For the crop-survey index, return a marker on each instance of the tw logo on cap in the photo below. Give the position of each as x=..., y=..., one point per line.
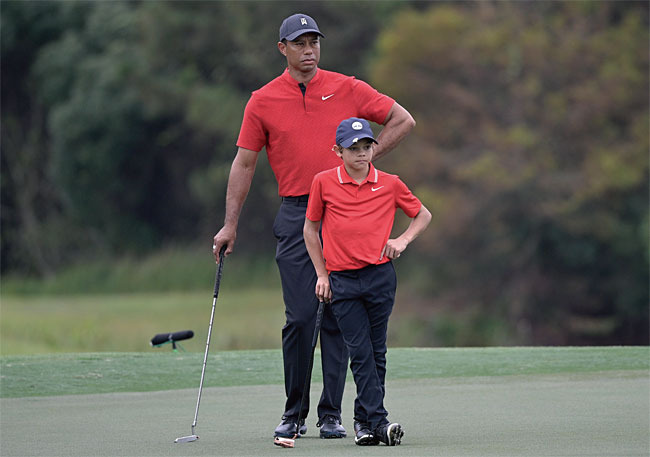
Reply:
x=296, y=25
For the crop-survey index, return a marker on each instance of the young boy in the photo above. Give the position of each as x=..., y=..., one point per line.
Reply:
x=355, y=204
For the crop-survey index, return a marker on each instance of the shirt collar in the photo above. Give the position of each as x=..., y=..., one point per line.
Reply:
x=344, y=177
x=288, y=78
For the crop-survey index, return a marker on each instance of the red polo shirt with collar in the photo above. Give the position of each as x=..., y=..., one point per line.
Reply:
x=298, y=130
x=357, y=218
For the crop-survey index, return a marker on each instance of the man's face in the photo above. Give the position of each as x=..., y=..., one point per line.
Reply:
x=303, y=53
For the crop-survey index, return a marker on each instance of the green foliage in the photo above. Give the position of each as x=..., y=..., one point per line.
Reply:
x=535, y=138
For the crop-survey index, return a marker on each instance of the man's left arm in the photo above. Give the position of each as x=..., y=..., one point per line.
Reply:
x=397, y=125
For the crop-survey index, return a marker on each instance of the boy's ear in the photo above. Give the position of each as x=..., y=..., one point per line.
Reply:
x=338, y=150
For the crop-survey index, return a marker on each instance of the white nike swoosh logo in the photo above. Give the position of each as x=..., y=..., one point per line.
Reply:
x=373, y=189
x=326, y=97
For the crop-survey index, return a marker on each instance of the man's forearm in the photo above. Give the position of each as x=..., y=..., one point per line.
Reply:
x=398, y=124
x=239, y=184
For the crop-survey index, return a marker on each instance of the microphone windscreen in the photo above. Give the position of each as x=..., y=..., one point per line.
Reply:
x=176, y=336
x=182, y=335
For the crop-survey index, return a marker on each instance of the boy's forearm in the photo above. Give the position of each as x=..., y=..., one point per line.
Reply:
x=394, y=247
x=314, y=248
x=418, y=224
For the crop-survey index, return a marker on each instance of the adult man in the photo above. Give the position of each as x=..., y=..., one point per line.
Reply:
x=295, y=117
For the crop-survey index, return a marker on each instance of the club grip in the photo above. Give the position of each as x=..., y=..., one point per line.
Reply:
x=319, y=319
x=217, y=278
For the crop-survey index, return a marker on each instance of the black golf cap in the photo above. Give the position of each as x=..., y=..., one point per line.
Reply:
x=296, y=25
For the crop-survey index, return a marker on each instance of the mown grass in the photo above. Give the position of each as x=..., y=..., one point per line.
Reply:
x=66, y=374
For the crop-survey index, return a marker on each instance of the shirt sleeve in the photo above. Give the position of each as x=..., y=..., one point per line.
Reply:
x=373, y=105
x=315, y=205
x=405, y=199
x=252, y=134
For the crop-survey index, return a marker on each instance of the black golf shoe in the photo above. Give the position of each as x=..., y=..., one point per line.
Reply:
x=362, y=435
x=287, y=428
x=330, y=427
x=390, y=434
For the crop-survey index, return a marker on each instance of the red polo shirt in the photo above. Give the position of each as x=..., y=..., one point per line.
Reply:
x=357, y=218
x=298, y=131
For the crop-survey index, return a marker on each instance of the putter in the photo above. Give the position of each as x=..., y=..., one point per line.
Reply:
x=217, y=280
x=291, y=442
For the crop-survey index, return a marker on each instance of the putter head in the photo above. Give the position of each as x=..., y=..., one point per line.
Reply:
x=186, y=439
x=284, y=442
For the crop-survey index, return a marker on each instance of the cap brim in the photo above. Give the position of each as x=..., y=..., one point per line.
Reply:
x=296, y=34
x=350, y=141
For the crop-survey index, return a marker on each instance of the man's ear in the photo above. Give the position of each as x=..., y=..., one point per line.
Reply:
x=282, y=47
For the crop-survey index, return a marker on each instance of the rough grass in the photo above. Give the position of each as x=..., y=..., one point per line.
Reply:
x=244, y=319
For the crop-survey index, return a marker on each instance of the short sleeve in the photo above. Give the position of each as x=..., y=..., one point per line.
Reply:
x=252, y=134
x=315, y=205
x=405, y=199
x=372, y=104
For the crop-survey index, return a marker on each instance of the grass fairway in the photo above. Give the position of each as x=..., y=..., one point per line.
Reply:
x=452, y=402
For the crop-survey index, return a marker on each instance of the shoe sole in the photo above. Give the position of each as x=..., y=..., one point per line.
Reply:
x=281, y=435
x=329, y=436
x=365, y=440
x=395, y=434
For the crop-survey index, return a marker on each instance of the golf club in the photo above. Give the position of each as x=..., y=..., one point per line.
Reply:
x=291, y=442
x=217, y=280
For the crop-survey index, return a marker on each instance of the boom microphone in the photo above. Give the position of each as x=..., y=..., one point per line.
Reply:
x=163, y=338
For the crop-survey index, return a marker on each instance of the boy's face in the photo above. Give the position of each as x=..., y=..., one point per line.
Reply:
x=358, y=156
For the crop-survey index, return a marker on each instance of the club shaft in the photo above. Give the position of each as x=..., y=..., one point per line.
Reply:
x=207, y=343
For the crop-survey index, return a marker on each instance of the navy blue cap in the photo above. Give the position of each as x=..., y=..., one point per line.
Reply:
x=352, y=130
x=296, y=25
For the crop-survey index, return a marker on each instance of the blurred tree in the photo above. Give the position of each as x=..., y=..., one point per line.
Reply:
x=36, y=234
x=533, y=127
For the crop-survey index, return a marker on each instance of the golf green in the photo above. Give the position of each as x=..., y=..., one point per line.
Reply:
x=598, y=413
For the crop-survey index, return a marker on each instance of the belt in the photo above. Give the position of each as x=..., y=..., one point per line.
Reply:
x=297, y=200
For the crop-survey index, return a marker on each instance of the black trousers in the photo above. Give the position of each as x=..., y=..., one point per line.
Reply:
x=298, y=287
x=362, y=301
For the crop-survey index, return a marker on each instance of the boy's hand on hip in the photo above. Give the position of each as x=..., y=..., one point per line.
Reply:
x=393, y=249
x=323, y=291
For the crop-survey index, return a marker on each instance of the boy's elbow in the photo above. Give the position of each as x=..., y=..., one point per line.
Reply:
x=426, y=215
x=309, y=228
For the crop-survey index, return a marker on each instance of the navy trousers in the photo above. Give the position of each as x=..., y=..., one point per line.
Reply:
x=298, y=287
x=362, y=301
